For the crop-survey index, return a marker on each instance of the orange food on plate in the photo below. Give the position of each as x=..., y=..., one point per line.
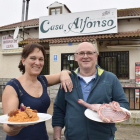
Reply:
x=26, y=115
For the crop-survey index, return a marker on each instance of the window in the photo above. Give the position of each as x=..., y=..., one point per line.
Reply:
x=55, y=11
x=115, y=62
x=52, y=11
x=67, y=62
x=46, y=68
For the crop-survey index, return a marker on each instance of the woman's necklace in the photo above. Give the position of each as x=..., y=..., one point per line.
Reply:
x=36, y=88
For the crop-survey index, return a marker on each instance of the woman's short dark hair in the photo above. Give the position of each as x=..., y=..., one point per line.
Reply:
x=29, y=48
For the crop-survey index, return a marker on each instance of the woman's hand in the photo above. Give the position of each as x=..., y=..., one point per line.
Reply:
x=65, y=80
x=13, y=130
x=15, y=127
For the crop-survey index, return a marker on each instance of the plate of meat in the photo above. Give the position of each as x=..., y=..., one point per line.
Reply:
x=106, y=113
x=93, y=115
x=24, y=116
x=42, y=117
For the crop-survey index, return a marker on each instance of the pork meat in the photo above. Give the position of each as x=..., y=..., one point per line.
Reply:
x=108, y=112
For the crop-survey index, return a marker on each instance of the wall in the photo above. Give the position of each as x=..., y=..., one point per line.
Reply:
x=33, y=33
x=55, y=66
x=9, y=66
x=128, y=25
x=134, y=56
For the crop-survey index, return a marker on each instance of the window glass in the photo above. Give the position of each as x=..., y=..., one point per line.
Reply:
x=57, y=11
x=52, y=11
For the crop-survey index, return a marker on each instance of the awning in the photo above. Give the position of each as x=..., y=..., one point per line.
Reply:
x=15, y=51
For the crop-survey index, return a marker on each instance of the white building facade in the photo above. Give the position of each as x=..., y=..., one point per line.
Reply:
x=118, y=48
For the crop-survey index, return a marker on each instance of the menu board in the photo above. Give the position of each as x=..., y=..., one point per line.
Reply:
x=137, y=95
x=137, y=74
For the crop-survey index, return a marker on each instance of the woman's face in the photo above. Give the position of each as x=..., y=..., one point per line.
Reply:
x=34, y=62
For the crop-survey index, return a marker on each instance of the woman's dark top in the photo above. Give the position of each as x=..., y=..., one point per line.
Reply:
x=41, y=104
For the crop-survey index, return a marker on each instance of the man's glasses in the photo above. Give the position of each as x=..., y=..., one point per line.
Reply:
x=87, y=53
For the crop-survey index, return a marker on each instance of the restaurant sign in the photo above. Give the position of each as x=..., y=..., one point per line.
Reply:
x=78, y=24
x=9, y=43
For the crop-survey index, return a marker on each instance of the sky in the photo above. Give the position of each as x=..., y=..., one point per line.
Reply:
x=11, y=10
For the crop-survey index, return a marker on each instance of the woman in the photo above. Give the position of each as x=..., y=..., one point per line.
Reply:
x=31, y=90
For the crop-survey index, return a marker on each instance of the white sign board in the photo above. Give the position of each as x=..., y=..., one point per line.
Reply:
x=9, y=43
x=77, y=24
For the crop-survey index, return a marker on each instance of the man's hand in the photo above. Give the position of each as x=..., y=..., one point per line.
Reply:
x=57, y=133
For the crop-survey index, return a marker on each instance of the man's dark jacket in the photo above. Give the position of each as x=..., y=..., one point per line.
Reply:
x=68, y=113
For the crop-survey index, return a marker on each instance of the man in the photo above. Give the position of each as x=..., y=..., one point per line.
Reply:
x=95, y=86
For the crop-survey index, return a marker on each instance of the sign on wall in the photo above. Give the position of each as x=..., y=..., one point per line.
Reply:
x=55, y=57
x=9, y=43
x=137, y=74
x=137, y=81
x=78, y=24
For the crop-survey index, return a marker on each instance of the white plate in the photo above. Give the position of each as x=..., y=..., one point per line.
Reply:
x=42, y=117
x=93, y=115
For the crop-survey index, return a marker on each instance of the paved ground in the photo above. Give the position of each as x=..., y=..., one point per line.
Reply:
x=2, y=134
x=125, y=132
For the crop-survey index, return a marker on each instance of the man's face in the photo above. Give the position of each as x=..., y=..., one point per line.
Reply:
x=88, y=60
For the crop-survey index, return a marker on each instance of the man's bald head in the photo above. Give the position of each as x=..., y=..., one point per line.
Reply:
x=84, y=44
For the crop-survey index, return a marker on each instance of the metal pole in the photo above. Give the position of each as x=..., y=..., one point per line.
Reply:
x=27, y=7
x=23, y=10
